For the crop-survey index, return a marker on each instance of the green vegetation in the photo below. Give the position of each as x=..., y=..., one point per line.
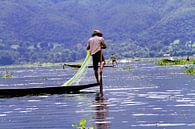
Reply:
x=82, y=125
x=127, y=68
x=174, y=62
x=32, y=65
x=7, y=74
x=74, y=68
x=190, y=70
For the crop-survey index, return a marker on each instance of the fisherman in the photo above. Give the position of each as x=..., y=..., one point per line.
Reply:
x=113, y=60
x=95, y=44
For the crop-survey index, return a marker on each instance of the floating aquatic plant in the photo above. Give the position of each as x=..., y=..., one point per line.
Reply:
x=190, y=70
x=174, y=62
x=7, y=74
x=82, y=125
x=127, y=68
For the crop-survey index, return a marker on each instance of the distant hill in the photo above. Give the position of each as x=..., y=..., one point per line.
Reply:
x=177, y=22
x=57, y=30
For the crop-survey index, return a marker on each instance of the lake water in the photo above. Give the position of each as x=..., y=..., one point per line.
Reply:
x=136, y=96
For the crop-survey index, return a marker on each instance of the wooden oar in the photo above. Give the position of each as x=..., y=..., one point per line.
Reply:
x=101, y=73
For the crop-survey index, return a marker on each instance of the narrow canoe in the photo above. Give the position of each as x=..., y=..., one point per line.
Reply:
x=15, y=92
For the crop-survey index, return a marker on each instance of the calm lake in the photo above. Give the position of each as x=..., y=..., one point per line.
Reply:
x=136, y=96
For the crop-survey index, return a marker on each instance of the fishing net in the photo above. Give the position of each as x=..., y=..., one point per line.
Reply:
x=80, y=72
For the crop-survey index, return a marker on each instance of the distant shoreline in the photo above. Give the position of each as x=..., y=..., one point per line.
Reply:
x=125, y=60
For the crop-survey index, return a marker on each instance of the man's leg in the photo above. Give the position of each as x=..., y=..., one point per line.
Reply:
x=102, y=63
x=95, y=67
x=102, y=67
x=113, y=63
x=96, y=75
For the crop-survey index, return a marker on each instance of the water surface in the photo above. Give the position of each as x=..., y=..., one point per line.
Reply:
x=146, y=96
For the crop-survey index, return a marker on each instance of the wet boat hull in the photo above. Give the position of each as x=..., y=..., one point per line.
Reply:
x=14, y=92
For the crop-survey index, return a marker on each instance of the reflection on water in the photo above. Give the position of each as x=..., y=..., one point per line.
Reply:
x=101, y=113
x=145, y=97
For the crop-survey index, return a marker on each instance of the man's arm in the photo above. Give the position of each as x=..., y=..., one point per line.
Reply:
x=103, y=44
x=88, y=46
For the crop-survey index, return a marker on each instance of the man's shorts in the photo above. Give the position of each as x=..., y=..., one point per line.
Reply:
x=96, y=59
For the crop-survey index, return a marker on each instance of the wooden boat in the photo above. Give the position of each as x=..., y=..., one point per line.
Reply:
x=78, y=65
x=15, y=92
